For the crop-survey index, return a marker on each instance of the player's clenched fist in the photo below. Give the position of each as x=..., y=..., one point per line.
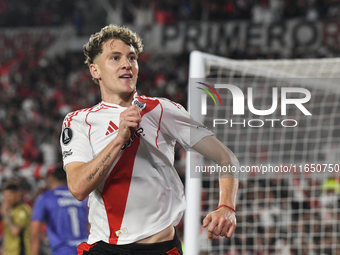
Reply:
x=129, y=120
x=222, y=223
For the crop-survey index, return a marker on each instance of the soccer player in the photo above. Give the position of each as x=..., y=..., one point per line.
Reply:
x=120, y=154
x=16, y=217
x=65, y=216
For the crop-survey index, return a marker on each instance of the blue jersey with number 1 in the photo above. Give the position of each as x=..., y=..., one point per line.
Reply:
x=65, y=217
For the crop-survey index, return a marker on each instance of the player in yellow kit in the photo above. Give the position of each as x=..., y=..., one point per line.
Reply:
x=16, y=217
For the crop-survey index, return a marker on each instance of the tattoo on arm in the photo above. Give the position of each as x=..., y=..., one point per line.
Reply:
x=103, y=166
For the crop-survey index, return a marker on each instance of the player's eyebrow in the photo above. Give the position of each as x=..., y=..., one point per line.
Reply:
x=115, y=53
x=120, y=53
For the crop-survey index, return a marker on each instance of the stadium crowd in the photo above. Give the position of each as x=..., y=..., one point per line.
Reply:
x=79, y=13
x=37, y=92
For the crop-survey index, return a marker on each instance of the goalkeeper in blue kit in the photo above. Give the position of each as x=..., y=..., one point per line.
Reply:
x=65, y=216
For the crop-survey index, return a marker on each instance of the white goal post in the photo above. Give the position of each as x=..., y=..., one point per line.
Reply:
x=274, y=210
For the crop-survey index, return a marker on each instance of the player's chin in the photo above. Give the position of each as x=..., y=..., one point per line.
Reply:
x=129, y=86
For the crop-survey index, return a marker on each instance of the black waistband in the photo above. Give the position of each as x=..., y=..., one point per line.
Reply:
x=142, y=247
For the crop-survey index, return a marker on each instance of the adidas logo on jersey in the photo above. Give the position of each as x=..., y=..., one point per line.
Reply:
x=111, y=128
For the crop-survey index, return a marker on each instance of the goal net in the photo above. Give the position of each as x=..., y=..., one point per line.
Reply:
x=281, y=118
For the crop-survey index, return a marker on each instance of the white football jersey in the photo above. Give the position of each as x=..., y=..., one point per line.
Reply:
x=142, y=194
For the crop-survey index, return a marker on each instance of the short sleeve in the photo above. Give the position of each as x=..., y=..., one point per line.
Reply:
x=178, y=124
x=21, y=217
x=74, y=139
x=39, y=210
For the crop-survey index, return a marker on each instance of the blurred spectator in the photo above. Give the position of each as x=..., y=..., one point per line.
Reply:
x=16, y=216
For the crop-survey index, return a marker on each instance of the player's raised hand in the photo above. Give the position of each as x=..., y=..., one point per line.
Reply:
x=129, y=120
x=221, y=222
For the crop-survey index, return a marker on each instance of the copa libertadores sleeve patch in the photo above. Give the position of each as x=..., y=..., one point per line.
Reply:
x=67, y=135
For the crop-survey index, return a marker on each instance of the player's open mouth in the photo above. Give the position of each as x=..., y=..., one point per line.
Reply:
x=126, y=76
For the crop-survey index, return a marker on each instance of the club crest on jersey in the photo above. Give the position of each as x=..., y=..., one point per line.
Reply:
x=67, y=135
x=138, y=133
x=139, y=104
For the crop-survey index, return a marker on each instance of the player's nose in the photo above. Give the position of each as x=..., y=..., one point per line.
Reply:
x=125, y=63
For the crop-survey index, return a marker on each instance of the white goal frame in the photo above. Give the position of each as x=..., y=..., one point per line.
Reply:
x=193, y=185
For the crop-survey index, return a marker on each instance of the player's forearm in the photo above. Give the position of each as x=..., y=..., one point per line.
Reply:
x=35, y=245
x=228, y=191
x=83, y=178
x=213, y=149
x=35, y=237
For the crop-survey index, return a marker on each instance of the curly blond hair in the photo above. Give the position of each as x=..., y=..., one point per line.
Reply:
x=94, y=47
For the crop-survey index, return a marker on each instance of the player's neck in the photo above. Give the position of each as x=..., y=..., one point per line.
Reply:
x=122, y=100
x=55, y=185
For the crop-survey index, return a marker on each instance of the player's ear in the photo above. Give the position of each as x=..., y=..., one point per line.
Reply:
x=95, y=72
